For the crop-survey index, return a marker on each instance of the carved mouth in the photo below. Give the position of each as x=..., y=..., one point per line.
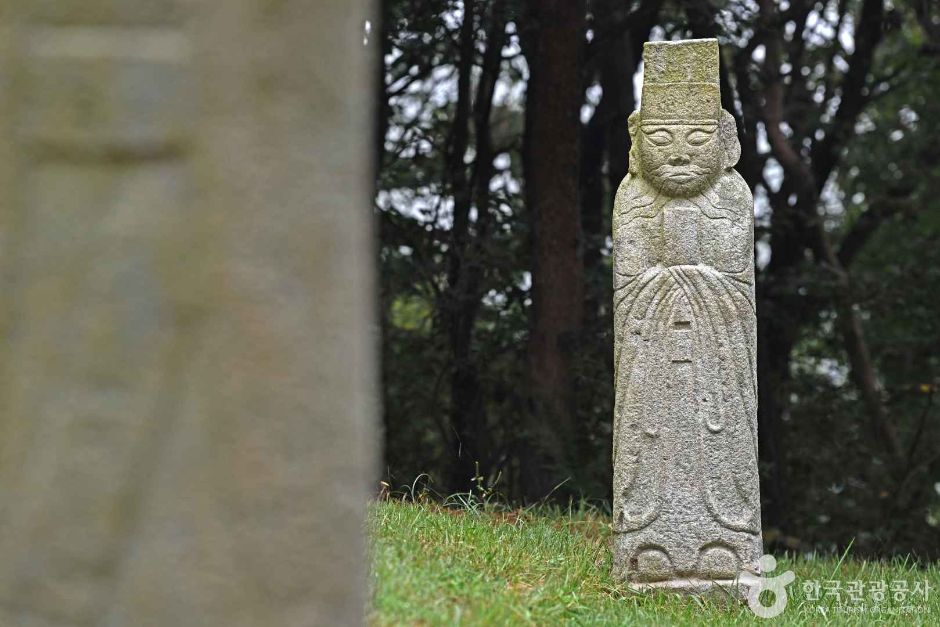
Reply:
x=681, y=174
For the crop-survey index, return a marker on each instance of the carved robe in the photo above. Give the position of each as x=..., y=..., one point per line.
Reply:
x=685, y=451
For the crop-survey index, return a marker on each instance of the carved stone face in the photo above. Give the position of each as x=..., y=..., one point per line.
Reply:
x=680, y=159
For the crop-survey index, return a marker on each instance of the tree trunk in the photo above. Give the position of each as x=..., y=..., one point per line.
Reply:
x=553, y=106
x=465, y=408
x=471, y=445
x=774, y=346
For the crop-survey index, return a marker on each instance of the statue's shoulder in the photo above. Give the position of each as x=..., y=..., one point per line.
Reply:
x=634, y=199
x=731, y=186
x=729, y=197
x=633, y=186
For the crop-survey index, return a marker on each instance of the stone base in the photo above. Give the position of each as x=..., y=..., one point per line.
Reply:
x=731, y=590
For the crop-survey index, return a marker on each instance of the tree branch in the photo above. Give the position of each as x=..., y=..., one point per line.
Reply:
x=853, y=97
x=867, y=224
x=860, y=361
x=786, y=155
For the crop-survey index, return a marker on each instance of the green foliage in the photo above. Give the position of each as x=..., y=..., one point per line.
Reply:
x=416, y=217
x=891, y=165
x=881, y=193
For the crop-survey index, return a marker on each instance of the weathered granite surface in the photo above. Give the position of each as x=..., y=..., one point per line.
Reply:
x=686, y=501
x=187, y=410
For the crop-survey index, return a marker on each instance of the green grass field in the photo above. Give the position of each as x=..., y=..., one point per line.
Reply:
x=478, y=565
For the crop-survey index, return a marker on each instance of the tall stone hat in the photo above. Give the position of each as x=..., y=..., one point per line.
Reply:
x=680, y=81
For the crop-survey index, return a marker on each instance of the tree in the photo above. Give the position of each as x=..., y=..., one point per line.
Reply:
x=553, y=51
x=489, y=176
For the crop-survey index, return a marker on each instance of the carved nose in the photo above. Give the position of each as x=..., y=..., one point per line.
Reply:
x=678, y=159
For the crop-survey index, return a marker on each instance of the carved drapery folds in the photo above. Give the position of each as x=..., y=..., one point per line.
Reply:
x=686, y=500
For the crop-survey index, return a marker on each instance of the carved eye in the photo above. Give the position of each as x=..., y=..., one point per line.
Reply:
x=659, y=138
x=697, y=138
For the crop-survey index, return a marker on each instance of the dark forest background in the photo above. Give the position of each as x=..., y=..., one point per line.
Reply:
x=502, y=139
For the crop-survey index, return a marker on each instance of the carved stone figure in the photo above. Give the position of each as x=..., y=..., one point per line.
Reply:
x=188, y=401
x=686, y=497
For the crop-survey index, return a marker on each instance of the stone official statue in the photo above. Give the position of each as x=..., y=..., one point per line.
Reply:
x=686, y=501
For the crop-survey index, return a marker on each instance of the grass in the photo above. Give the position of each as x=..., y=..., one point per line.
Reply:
x=482, y=565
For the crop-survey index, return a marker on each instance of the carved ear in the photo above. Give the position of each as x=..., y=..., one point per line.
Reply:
x=633, y=124
x=730, y=146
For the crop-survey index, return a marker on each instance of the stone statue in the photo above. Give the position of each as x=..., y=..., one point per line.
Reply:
x=189, y=396
x=686, y=497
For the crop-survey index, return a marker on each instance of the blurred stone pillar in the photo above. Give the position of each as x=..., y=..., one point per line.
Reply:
x=187, y=378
